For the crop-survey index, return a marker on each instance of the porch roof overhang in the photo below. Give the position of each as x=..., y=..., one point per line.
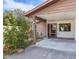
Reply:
x=59, y=16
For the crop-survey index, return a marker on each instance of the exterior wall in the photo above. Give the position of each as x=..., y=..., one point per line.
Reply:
x=60, y=6
x=41, y=28
x=70, y=34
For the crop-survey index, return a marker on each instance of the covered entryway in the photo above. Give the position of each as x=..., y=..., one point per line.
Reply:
x=60, y=24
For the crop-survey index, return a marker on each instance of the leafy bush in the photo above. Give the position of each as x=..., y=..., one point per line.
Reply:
x=16, y=31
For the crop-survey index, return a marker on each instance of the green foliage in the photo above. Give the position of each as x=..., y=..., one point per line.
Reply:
x=9, y=19
x=16, y=27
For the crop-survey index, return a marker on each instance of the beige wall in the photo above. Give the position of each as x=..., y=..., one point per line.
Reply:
x=70, y=34
x=41, y=28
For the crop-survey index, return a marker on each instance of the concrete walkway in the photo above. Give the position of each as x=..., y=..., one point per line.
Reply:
x=41, y=50
x=58, y=44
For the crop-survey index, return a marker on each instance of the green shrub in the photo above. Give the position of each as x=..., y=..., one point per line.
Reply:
x=16, y=32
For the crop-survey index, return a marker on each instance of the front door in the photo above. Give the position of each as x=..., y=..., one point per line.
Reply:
x=52, y=30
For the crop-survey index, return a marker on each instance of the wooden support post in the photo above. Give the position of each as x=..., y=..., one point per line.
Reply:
x=34, y=31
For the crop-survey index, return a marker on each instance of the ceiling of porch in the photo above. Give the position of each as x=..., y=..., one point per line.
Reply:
x=69, y=15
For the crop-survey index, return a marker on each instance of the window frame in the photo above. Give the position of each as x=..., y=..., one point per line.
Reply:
x=66, y=29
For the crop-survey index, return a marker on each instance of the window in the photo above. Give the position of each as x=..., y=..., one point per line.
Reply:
x=65, y=27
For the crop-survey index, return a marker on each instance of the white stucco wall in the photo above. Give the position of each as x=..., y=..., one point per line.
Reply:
x=70, y=34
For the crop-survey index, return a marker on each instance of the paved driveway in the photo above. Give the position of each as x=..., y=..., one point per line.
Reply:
x=40, y=51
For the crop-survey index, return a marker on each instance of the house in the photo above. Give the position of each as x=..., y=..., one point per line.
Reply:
x=55, y=18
